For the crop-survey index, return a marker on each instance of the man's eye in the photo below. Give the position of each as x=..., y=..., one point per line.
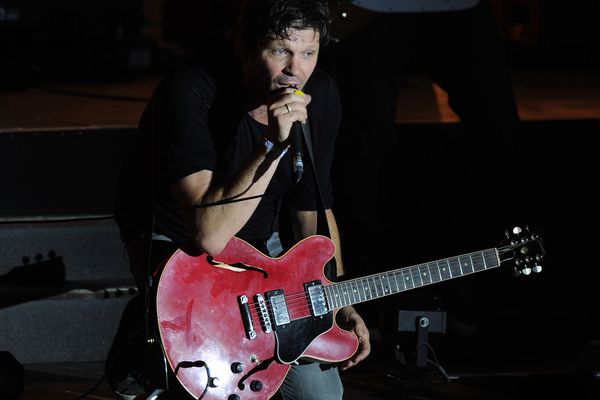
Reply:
x=279, y=52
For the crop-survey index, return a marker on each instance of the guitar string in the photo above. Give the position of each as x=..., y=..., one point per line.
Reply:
x=348, y=287
x=298, y=302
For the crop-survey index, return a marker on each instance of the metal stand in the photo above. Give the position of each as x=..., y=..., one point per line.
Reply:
x=415, y=347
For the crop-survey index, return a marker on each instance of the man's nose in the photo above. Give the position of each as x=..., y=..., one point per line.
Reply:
x=292, y=67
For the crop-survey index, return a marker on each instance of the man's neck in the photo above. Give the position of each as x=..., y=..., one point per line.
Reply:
x=260, y=114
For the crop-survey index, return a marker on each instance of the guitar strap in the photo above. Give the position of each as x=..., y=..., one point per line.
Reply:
x=322, y=225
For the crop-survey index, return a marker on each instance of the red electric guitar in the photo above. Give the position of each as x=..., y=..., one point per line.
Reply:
x=232, y=324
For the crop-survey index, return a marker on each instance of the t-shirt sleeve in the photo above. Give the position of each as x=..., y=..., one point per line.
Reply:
x=184, y=141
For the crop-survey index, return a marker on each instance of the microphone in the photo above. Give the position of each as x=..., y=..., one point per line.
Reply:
x=298, y=149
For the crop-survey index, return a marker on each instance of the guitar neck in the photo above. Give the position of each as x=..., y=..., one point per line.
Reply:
x=375, y=286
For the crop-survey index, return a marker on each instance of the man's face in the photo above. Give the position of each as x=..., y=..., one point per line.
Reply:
x=285, y=63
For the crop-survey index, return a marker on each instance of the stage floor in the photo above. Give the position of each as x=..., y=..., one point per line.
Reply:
x=376, y=379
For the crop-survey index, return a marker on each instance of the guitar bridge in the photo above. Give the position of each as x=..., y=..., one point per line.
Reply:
x=316, y=294
x=246, y=317
x=261, y=306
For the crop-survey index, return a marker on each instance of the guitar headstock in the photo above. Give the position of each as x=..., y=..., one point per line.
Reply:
x=524, y=251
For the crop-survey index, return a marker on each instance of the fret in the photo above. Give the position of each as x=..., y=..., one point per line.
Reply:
x=393, y=283
x=385, y=284
x=333, y=296
x=400, y=279
x=381, y=285
x=346, y=294
x=395, y=274
x=327, y=290
x=372, y=288
x=425, y=276
x=403, y=279
x=478, y=262
x=334, y=302
x=388, y=276
x=491, y=257
x=469, y=268
x=360, y=290
x=357, y=292
x=367, y=289
x=416, y=275
x=444, y=270
x=484, y=263
x=376, y=287
x=350, y=291
x=434, y=272
x=407, y=278
x=460, y=265
x=339, y=295
x=454, y=267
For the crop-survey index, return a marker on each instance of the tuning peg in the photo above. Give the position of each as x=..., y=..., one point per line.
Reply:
x=517, y=230
x=526, y=271
x=537, y=268
x=518, y=261
x=516, y=273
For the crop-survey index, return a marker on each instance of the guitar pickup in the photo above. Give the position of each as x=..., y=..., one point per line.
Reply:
x=279, y=310
x=316, y=295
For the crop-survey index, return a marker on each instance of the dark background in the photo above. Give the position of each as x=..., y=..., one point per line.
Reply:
x=551, y=181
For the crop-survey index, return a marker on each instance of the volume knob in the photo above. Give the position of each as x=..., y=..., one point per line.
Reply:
x=237, y=368
x=256, y=386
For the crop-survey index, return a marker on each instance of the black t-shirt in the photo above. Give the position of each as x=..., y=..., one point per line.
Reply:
x=196, y=122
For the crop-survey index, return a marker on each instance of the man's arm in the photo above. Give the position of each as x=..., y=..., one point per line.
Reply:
x=215, y=213
x=212, y=226
x=305, y=224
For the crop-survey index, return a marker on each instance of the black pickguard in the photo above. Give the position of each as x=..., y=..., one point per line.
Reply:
x=295, y=337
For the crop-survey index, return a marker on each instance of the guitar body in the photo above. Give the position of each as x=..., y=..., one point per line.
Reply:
x=232, y=324
x=201, y=319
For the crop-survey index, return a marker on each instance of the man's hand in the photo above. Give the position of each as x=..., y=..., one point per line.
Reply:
x=284, y=108
x=349, y=319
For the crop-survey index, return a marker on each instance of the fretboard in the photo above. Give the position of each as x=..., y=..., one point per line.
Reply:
x=372, y=287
